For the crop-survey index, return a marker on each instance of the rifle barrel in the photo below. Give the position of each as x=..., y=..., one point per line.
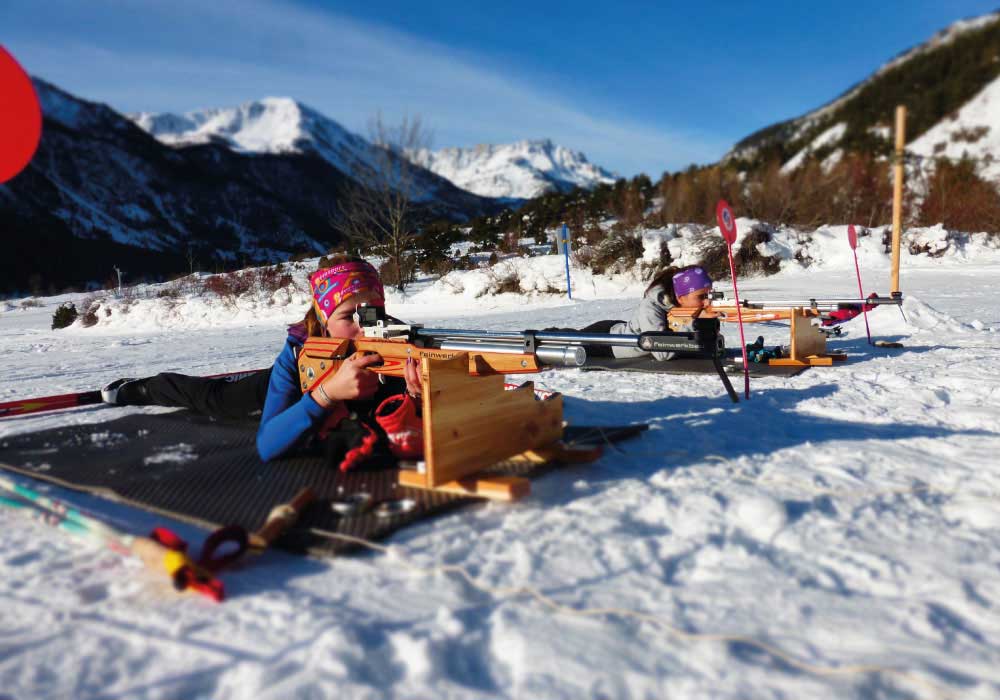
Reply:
x=809, y=303
x=562, y=355
x=567, y=347
x=570, y=337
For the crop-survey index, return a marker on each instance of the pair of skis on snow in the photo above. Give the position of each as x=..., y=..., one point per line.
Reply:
x=162, y=552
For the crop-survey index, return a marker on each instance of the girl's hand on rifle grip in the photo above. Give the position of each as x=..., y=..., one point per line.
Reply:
x=352, y=381
x=411, y=373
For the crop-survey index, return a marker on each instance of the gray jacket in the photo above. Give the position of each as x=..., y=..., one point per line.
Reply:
x=650, y=315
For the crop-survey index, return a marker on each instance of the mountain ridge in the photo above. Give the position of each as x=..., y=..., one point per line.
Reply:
x=935, y=79
x=100, y=190
x=521, y=170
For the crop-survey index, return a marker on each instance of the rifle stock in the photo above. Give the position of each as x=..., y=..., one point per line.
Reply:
x=321, y=357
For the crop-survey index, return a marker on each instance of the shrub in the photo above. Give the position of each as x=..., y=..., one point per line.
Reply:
x=439, y=267
x=505, y=279
x=89, y=317
x=171, y=292
x=270, y=279
x=510, y=282
x=397, y=276
x=958, y=198
x=616, y=253
x=715, y=260
x=751, y=262
x=228, y=286
x=65, y=315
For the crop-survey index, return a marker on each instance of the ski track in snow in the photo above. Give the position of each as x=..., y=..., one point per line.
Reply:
x=846, y=516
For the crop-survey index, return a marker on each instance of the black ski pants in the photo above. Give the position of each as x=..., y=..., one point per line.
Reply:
x=221, y=397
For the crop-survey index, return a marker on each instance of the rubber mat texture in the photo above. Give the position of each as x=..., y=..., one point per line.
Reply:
x=207, y=472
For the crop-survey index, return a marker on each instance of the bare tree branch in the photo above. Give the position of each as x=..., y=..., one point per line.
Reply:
x=376, y=211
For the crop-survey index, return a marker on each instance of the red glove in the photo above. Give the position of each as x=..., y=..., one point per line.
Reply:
x=397, y=416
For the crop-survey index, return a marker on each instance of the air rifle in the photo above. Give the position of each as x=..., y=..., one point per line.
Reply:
x=782, y=309
x=490, y=352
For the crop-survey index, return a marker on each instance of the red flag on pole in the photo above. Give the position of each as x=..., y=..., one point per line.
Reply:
x=852, y=238
x=727, y=224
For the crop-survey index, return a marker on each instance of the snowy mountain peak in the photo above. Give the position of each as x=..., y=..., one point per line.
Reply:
x=270, y=125
x=521, y=170
x=274, y=125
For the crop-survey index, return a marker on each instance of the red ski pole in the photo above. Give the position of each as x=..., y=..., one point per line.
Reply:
x=852, y=238
x=727, y=224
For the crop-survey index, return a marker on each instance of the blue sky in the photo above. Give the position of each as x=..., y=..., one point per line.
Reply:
x=637, y=86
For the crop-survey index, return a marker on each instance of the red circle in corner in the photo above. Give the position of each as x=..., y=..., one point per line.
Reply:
x=20, y=117
x=852, y=236
x=727, y=224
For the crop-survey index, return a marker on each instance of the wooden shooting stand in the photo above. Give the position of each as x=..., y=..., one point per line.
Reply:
x=807, y=347
x=472, y=422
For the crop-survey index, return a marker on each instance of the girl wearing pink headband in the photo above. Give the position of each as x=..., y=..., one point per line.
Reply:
x=331, y=286
x=352, y=416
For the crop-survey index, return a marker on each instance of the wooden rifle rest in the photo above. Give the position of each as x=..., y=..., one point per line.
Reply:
x=472, y=422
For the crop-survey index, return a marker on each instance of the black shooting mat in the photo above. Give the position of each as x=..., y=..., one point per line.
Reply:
x=686, y=365
x=207, y=472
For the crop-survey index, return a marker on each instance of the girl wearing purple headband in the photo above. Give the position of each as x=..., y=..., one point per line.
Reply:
x=687, y=287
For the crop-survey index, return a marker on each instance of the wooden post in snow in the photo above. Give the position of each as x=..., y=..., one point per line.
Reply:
x=897, y=194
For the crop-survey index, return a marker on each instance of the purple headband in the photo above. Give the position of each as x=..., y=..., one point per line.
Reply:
x=687, y=281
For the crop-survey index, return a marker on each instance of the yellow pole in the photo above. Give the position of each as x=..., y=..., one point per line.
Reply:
x=897, y=195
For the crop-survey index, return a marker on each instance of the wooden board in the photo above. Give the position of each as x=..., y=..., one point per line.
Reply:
x=506, y=488
x=472, y=422
x=806, y=340
x=809, y=361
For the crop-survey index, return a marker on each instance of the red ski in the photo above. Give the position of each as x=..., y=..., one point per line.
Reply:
x=49, y=403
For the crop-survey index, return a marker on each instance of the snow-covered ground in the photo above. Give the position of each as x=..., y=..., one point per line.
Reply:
x=838, y=536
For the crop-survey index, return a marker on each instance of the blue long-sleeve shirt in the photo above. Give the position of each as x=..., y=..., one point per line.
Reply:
x=289, y=416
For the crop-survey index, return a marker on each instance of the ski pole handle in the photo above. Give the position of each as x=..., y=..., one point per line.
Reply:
x=280, y=519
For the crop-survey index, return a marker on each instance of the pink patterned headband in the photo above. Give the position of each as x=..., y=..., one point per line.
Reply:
x=331, y=286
